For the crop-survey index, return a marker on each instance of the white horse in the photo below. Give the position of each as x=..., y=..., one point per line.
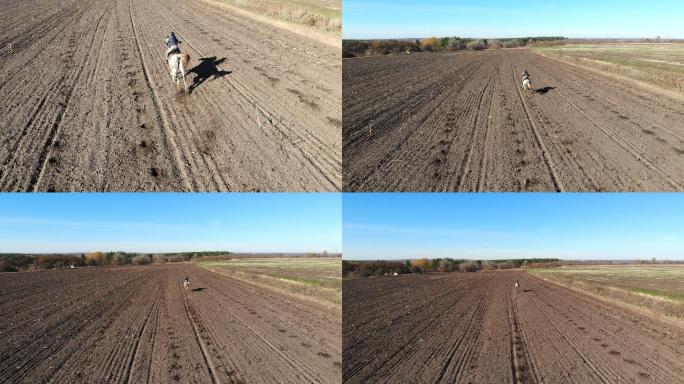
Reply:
x=178, y=62
x=517, y=284
x=186, y=283
x=527, y=84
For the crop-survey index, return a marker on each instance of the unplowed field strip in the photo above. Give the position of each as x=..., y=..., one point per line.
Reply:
x=139, y=325
x=410, y=121
x=88, y=103
x=478, y=328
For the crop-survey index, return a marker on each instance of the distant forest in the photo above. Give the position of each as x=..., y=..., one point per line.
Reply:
x=383, y=267
x=15, y=262
x=389, y=267
x=359, y=48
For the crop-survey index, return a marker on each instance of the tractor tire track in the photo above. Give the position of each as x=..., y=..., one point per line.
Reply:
x=474, y=143
x=194, y=319
x=169, y=135
x=154, y=308
x=540, y=142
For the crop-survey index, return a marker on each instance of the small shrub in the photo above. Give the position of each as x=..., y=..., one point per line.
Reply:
x=141, y=260
x=5, y=266
x=468, y=267
x=494, y=44
x=476, y=45
x=94, y=258
x=511, y=44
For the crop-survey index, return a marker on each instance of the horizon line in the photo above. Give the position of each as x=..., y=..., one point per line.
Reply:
x=519, y=258
x=170, y=252
x=513, y=37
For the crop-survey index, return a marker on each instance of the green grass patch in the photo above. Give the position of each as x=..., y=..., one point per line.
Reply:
x=657, y=289
x=656, y=293
x=657, y=64
x=319, y=279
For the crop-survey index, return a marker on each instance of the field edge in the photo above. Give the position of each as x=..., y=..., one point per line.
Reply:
x=232, y=274
x=330, y=39
x=644, y=311
x=616, y=77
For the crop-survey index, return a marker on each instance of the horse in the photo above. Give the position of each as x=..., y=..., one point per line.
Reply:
x=178, y=62
x=186, y=283
x=517, y=284
x=526, y=83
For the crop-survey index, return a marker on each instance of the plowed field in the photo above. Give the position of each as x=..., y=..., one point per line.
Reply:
x=88, y=103
x=462, y=122
x=138, y=325
x=477, y=328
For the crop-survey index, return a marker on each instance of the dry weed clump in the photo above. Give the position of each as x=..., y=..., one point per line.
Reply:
x=319, y=18
x=657, y=305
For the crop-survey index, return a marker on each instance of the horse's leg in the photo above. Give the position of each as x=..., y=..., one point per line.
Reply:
x=182, y=73
x=173, y=66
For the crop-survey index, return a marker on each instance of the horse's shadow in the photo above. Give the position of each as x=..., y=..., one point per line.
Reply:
x=543, y=91
x=198, y=289
x=207, y=68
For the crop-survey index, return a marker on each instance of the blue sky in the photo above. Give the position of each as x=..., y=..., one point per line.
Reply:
x=373, y=19
x=499, y=226
x=151, y=222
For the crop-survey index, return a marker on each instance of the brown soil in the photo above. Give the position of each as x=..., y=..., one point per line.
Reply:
x=461, y=122
x=138, y=325
x=88, y=104
x=477, y=328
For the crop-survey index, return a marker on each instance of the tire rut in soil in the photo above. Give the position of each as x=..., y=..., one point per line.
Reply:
x=200, y=330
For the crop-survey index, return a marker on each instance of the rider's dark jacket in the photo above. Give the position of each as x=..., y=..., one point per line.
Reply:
x=172, y=40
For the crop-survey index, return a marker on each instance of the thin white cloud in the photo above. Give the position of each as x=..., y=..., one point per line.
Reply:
x=124, y=225
x=417, y=7
x=460, y=233
x=154, y=247
x=499, y=254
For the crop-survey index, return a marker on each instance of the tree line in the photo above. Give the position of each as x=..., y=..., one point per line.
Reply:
x=14, y=262
x=359, y=48
x=382, y=267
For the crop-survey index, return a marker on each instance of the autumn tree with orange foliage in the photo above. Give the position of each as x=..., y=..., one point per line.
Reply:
x=420, y=265
x=430, y=43
x=94, y=258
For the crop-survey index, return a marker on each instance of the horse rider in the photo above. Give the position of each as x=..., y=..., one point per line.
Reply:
x=172, y=44
x=526, y=76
